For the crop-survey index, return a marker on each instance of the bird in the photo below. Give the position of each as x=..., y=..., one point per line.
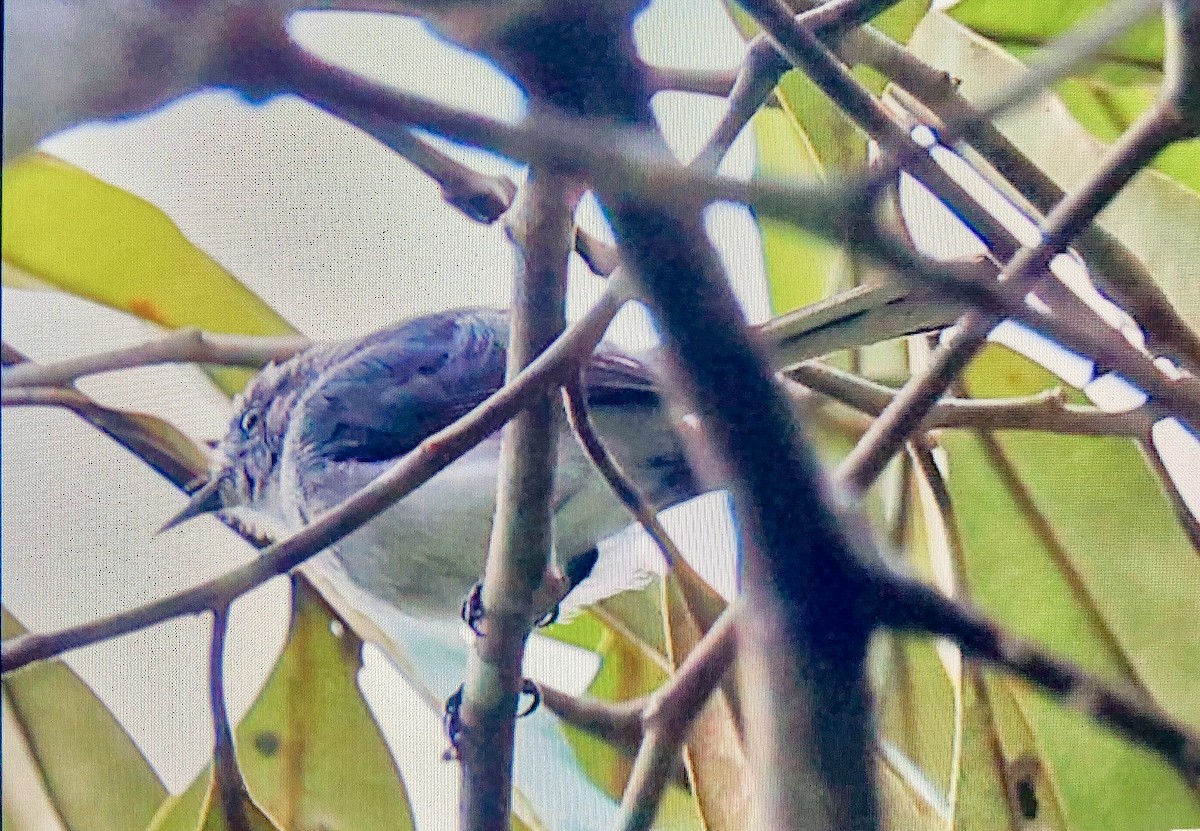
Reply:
x=312, y=430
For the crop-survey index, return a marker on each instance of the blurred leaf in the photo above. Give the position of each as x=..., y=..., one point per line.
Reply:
x=801, y=267
x=1085, y=556
x=1025, y=23
x=899, y=21
x=626, y=672
x=1148, y=213
x=155, y=441
x=713, y=754
x=94, y=775
x=1107, y=110
x=309, y=748
x=70, y=230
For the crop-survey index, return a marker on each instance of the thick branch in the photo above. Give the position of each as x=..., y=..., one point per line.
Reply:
x=519, y=556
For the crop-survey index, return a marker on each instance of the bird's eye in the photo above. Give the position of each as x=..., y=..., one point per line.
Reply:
x=249, y=420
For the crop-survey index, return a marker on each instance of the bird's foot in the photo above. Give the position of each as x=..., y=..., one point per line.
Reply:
x=530, y=689
x=472, y=609
x=473, y=612
x=452, y=715
x=452, y=724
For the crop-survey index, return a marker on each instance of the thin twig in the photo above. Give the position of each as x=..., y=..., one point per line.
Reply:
x=704, y=81
x=618, y=481
x=1047, y=411
x=1056, y=59
x=155, y=441
x=618, y=723
x=838, y=16
x=1187, y=520
x=227, y=775
x=1118, y=272
x=182, y=346
x=1057, y=553
x=1022, y=274
x=431, y=456
x=620, y=159
x=908, y=606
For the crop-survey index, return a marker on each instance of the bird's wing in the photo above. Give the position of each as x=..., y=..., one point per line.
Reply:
x=394, y=388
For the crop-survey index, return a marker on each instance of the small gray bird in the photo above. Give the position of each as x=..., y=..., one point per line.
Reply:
x=309, y=432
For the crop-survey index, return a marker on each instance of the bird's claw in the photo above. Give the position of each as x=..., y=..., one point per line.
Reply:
x=530, y=689
x=452, y=724
x=452, y=715
x=472, y=609
x=472, y=612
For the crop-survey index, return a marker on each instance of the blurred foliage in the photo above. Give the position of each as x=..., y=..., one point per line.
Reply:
x=93, y=774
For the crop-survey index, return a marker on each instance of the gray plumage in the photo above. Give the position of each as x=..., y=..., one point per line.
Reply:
x=309, y=432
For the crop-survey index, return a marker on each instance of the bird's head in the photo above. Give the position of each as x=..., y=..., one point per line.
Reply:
x=245, y=462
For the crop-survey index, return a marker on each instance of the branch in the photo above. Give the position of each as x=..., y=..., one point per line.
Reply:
x=227, y=776
x=152, y=439
x=521, y=549
x=1022, y=274
x=1119, y=273
x=804, y=607
x=905, y=605
x=417, y=467
x=618, y=723
x=1047, y=411
x=481, y=197
x=618, y=159
x=619, y=483
x=703, y=81
x=182, y=346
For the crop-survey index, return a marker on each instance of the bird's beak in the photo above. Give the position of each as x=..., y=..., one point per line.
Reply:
x=204, y=501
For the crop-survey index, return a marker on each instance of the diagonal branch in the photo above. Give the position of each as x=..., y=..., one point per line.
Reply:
x=1024, y=271
x=908, y=606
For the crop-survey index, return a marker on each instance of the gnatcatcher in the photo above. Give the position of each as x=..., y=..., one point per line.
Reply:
x=310, y=432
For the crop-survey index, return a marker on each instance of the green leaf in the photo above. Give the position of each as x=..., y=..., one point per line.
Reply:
x=1025, y=23
x=899, y=21
x=94, y=775
x=309, y=749
x=1071, y=542
x=1107, y=110
x=248, y=816
x=801, y=267
x=1146, y=215
x=67, y=229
